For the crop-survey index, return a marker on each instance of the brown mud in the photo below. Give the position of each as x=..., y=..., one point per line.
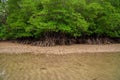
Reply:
x=9, y=47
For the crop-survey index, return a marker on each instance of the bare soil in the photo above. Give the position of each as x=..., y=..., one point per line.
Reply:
x=60, y=67
x=9, y=47
x=50, y=66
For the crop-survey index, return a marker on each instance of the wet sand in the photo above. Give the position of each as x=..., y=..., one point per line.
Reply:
x=9, y=47
x=60, y=67
x=100, y=62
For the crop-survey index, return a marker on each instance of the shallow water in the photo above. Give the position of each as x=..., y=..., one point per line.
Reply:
x=88, y=66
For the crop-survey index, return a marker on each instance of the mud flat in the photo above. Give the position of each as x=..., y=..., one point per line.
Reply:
x=8, y=47
x=60, y=67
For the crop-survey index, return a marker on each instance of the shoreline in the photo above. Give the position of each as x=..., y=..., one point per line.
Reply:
x=16, y=48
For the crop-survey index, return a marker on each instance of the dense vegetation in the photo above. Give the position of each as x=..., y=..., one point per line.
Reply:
x=36, y=19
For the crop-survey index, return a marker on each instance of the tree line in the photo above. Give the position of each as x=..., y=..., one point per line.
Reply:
x=74, y=18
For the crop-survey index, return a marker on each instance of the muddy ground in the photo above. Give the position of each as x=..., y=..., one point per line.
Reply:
x=16, y=62
x=87, y=66
x=9, y=47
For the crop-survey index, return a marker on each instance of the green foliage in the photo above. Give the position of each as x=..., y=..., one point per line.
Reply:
x=92, y=13
x=19, y=17
x=108, y=22
x=59, y=18
x=33, y=18
x=3, y=15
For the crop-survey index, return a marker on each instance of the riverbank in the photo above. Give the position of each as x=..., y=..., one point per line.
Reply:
x=9, y=47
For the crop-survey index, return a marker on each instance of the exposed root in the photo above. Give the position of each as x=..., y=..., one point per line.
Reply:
x=52, y=39
x=65, y=41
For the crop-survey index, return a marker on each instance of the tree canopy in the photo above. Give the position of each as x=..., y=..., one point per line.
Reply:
x=33, y=18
